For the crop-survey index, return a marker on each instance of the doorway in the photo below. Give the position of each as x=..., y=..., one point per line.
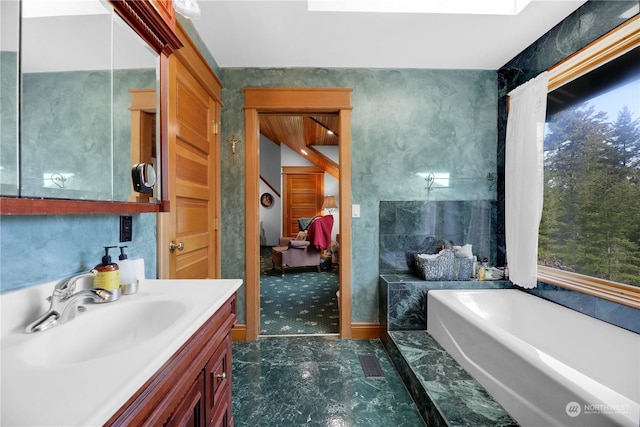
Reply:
x=295, y=101
x=298, y=281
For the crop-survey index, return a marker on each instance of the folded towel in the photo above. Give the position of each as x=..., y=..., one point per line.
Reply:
x=464, y=251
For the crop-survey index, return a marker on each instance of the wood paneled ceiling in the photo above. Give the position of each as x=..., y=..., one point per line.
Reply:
x=301, y=132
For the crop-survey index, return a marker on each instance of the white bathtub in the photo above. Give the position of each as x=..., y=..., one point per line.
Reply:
x=545, y=364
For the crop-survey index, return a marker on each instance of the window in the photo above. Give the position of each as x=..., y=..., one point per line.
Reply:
x=590, y=231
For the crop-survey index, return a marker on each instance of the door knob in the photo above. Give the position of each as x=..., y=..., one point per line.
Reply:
x=173, y=246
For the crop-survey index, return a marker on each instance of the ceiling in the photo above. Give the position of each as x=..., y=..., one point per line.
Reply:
x=267, y=33
x=302, y=132
x=284, y=34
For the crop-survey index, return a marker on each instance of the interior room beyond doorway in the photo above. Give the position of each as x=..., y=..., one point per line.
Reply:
x=299, y=170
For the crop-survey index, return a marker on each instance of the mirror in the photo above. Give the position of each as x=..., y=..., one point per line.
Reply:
x=136, y=82
x=9, y=36
x=80, y=67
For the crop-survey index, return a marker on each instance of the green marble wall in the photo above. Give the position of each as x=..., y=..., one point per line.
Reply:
x=404, y=122
x=591, y=21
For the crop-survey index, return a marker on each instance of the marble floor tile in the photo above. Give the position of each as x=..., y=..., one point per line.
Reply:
x=316, y=381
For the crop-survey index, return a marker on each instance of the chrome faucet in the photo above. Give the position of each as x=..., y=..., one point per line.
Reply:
x=64, y=302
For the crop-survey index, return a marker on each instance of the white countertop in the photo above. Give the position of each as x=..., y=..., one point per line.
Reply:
x=37, y=391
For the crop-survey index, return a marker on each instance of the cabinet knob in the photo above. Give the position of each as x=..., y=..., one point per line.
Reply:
x=173, y=246
x=222, y=376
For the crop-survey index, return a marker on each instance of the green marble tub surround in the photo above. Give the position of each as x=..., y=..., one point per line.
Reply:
x=410, y=227
x=445, y=393
x=403, y=298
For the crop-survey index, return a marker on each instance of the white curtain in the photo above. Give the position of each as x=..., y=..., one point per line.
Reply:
x=524, y=178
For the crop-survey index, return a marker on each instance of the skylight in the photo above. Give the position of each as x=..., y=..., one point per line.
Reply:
x=466, y=7
x=45, y=8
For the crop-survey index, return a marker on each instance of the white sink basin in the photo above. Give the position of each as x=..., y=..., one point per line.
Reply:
x=98, y=360
x=103, y=332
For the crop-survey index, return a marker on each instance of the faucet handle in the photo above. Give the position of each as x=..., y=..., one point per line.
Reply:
x=62, y=290
x=67, y=287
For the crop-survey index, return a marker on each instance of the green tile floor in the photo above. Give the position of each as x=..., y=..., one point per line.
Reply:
x=316, y=381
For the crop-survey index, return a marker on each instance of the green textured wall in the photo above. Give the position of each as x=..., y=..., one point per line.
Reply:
x=404, y=122
x=39, y=248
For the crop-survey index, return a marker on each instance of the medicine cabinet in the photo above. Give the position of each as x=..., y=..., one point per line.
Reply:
x=82, y=97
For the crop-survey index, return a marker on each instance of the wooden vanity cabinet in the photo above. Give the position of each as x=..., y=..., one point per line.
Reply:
x=193, y=388
x=190, y=411
x=218, y=387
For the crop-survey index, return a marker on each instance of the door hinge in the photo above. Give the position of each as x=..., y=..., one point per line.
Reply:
x=215, y=127
x=216, y=224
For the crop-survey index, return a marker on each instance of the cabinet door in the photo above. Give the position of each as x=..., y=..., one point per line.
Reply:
x=218, y=387
x=190, y=411
x=223, y=417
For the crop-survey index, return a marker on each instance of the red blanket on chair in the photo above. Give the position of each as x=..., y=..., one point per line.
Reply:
x=319, y=232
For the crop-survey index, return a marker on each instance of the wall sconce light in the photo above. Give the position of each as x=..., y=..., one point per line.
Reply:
x=440, y=179
x=233, y=141
x=329, y=204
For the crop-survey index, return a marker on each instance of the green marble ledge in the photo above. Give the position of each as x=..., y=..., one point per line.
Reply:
x=446, y=395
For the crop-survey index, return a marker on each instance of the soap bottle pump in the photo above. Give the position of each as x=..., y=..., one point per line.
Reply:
x=128, y=279
x=108, y=276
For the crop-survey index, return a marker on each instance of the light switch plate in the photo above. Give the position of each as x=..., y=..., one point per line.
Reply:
x=355, y=211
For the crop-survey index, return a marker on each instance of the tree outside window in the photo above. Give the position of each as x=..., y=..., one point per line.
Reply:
x=591, y=216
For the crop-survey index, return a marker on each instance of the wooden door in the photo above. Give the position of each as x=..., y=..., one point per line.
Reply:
x=192, y=158
x=303, y=192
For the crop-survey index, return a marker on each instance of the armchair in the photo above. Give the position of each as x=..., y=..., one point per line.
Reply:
x=295, y=253
x=306, y=250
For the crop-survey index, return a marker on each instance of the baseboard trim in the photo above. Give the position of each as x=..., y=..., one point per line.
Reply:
x=365, y=330
x=239, y=333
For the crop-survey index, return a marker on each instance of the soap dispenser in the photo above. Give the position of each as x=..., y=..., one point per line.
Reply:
x=108, y=276
x=128, y=279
